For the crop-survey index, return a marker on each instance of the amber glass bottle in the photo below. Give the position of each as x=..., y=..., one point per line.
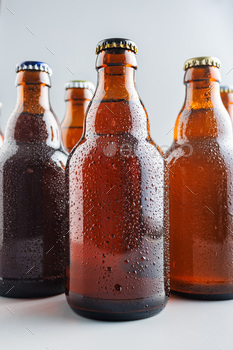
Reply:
x=227, y=99
x=200, y=161
x=1, y=134
x=77, y=96
x=116, y=200
x=32, y=191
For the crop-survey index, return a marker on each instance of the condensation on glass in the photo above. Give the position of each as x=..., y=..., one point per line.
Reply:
x=32, y=191
x=118, y=264
x=200, y=163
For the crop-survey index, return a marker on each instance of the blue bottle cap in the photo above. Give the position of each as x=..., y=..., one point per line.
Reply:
x=34, y=65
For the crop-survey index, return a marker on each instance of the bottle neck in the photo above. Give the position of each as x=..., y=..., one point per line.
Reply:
x=203, y=114
x=77, y=101
x=33, y=98
x=33, y=91
x=227, y=99
x=116, y=107
x=202, y=95
x=33, y=120
x=116, y=83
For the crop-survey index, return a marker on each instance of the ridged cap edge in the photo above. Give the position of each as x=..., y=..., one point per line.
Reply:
x=116, y=43
x=202, y=61
x=33, y=65
x=80, y=84
x=226, y=89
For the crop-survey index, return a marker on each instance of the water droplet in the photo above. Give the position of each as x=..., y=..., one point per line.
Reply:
x=118, y=288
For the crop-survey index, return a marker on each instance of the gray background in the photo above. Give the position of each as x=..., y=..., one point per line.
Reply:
x=64, y=34
x=167, y=33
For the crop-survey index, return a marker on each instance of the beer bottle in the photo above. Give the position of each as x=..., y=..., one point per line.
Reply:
x=200, y=163
x=77, y=96
x=227, y=99
x=1, y=134
x=116, y=268
x=32, y=205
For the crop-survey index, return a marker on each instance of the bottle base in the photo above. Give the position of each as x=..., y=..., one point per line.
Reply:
x=115, y=310
x=31, y=288
x=203, y=295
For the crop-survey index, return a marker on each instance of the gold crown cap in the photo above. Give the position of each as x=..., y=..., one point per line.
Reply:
x=202, y=61
x=226, y=89
x=118, y=43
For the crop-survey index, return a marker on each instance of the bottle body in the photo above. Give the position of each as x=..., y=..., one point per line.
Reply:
x=200, y=165
x=116, y=269
x=32, y=215
x=78, y=96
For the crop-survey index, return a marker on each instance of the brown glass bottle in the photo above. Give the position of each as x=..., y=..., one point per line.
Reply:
x=32, y=192
x=1, y=134
x=200, y=163
x=78, y=95
x=116, y=269
x=227, y=99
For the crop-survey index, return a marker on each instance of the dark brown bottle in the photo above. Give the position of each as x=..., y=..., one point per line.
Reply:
x=32, y=192
x=116, y=269
x=200, y=165
x=227, y=99
x=78, y=95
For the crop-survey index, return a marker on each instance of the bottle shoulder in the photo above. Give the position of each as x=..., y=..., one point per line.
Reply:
x=13, y=153
x=195, y=123
x=24, y=127
x=116, y=117
x=206, y=151
x=116, y=148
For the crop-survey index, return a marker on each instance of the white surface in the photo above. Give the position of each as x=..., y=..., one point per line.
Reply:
x=65, y=33
x=49, y=324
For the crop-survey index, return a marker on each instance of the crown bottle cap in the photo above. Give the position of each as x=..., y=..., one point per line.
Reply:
x=116, y=43
x=202, y=61
x=34, y=65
